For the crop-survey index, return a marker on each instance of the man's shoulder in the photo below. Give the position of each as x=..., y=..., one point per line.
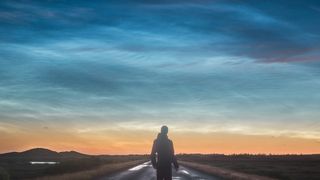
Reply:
x=166, y=139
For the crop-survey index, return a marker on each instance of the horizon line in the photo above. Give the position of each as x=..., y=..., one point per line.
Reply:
x=194, y=153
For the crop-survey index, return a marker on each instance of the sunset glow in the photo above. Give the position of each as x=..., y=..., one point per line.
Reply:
x=103, y=77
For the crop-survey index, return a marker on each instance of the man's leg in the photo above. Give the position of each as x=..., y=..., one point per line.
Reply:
x=160, y=174
x=168, y=174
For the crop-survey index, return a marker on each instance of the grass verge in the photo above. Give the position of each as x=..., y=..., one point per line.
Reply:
x=223, y=173
x=94, y=173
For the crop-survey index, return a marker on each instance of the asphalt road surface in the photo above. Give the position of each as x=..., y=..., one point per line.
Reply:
x=146, y=172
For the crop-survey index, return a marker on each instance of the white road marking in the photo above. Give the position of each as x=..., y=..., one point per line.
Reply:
x=137, y=168
x=40, y=162
x=185, y=172
x=176, y=178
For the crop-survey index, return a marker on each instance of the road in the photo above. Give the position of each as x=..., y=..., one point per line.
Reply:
x=146, y=172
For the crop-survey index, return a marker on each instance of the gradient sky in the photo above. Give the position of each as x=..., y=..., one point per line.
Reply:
x=102, y=77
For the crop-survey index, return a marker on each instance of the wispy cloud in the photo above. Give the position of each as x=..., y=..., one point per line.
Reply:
x=161, y=61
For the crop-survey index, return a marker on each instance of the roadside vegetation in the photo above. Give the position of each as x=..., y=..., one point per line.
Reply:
x=67, y=168
x=286, y=167
x=4, y=174
x=94, y=173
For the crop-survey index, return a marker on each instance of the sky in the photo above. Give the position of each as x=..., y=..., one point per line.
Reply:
x=101, y=77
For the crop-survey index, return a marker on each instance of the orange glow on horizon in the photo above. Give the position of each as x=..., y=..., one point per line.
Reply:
x=140, y=142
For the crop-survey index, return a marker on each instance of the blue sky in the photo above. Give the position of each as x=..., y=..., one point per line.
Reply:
x=250, y=67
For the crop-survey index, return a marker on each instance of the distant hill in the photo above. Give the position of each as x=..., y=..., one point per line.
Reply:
x=42, y=154
x=73, y=154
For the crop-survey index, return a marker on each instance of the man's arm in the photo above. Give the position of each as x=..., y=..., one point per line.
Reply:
x=174, y=158
x=153, y=155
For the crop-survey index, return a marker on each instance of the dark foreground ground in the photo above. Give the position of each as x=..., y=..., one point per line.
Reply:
x=17, y=166
x=73, y=165
x=295, y=167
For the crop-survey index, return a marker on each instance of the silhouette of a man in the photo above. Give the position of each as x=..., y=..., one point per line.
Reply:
x=162, y=155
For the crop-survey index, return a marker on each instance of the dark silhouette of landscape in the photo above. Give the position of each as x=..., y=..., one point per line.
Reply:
x=17, y=165
x=41, y=154
x=72, y=165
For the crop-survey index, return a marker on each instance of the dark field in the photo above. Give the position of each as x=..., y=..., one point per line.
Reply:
x=24, y=170
x=297, y=167
x=17, y=166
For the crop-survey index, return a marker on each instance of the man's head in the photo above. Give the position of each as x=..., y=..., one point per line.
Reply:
x=164, y=130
